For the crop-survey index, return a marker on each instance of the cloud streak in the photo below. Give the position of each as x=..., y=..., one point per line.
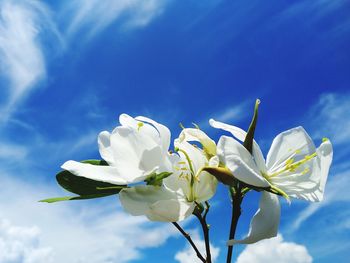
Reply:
x=92, y=17
x=329, y=117
x=23, y=62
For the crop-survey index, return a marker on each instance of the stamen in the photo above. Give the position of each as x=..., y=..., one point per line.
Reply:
x=139, y=125
x=291, y=166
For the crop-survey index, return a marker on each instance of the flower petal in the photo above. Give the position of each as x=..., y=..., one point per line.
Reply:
x=157, y=203
x=196, y=155
x=104, y=145
x=197, y=135
x=163, y=131
x=172, y=210
x=240, y=135
x=323, y=161
x=308, y=186
x=265, y=222
x=145, y=129
x=294, y=143
x=135, y=154
x=240, y=162
x=108, y=174
x=205, y=187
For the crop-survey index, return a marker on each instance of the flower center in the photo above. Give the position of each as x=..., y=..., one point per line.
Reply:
x=290, y=165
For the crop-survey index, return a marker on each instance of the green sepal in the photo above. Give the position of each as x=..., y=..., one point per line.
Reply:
x=248, y=141
x=222, y=174
x=156, y=179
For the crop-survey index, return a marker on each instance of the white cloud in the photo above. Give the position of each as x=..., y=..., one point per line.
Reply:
x=94, y=16
x=275, y=250
x=12, y=151
x=336, y=191
x=90, y=231
x=22, y=245
x=229, y=115
x=330, y=117
x=188, y=255
x=22, y=60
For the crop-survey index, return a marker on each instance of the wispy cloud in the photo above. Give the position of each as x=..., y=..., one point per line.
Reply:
x=22, y=59
x=329, y=117
x=337, y=184
x=230, y=114
x=12, y=151
x=275, y=250
x=92, y=17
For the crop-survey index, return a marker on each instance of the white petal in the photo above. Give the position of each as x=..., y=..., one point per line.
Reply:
x=205, y=188
x=240, y=162
x=240, y=135
x=163, y=131
x=135, y=153
x=104, y=145
x=197, y=135
x=294, y=143
x=309, y=186
x=324, y=160
x=137, y=200
x=108, y=174
x=145, y=129
x=178, y=183
x=157, y=203
x=172, y=210
x=214, y=161
x=127, y=121
x=265, y=222
x=197, y=157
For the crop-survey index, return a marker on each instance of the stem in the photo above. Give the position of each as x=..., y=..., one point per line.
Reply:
x=189, y=239
x=236, y=198
x=205, y=228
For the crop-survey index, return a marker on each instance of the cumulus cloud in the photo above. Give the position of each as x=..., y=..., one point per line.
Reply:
x=22, y=244
x=187, y=255
x=275, y=250
x=22, y=61
x=92, y=231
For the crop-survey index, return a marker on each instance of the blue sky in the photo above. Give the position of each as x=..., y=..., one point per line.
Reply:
x=69, y=68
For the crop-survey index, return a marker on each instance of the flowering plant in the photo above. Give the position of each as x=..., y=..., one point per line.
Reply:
x=170, y=186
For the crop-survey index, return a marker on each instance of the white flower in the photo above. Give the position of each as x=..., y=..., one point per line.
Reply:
x=177, y=198
x=133, y=151
x=294, y=167
x=265, y=222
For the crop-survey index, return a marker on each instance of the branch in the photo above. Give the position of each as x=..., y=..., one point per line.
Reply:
x=205, y=228
x=189, y=239
x=237, y=198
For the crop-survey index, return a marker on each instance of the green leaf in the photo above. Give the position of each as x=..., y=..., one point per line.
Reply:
x=70, y=198
x=85, y=186
x=248, y=142
x=156, y=179
x=95, y=162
